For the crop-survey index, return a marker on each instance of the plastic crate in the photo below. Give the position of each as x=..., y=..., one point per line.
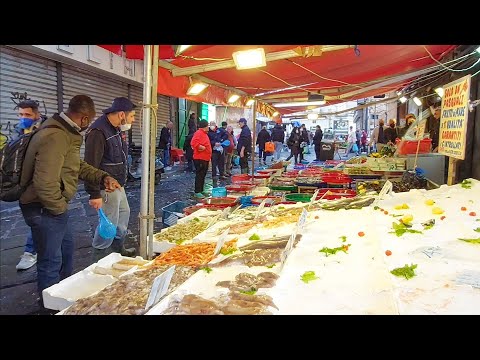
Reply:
x=406, y=147
x=171, y=213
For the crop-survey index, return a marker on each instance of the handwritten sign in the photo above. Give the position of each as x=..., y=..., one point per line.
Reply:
x=220, y=242
x=288, y=248
x=454, y=117
x=160, y=287
x=469, y=277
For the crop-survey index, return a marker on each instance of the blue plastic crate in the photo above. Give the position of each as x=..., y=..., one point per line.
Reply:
x=170, y=213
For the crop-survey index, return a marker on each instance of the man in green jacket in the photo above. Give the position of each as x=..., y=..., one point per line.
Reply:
x=50, y=174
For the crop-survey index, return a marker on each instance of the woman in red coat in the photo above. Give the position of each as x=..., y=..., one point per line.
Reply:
x=202, y=153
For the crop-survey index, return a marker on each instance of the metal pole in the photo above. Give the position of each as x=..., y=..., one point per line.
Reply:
x=254, y=107
x=147, y=95
x=153, y=143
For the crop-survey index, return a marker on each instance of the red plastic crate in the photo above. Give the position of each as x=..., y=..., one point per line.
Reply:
x=406, y=147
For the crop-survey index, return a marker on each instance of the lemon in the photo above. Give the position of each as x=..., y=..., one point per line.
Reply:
x=398, y=207
x=429, y=202
x=407, y=219
x=405, y=206
x=437, y=211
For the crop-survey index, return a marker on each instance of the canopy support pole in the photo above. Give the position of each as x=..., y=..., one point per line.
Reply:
x=147, y=97
x=254, y=131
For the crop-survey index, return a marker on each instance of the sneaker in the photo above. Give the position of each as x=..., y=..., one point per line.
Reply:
x=199, y=196
x=27, y=260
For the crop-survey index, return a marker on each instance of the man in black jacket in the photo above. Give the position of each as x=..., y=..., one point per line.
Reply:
x=262, y=138
x=278, y=138
x=217, y=137
x=317, y=141
x=106, y=149
x=189, y=151
x=165, y=143
x=244, y=145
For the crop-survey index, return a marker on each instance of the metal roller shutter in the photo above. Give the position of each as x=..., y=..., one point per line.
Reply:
x=163, y=114
x=21, y=73
x=100, y=88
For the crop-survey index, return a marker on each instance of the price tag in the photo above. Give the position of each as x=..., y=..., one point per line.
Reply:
x=288, y=248
x=221, y=242
x=339, y=165
x=469, y=277
x=260, y=208
x=302, y=219
x=160, y=287
x=387, y=188
x=213, y=221
x=226, y=212
x=314, y=197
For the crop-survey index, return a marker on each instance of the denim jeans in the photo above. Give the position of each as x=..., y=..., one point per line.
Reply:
x=29, y=247
x=218, y=161
x=118, y=212
x=166, y=157
x=278, y=149
x=53, y=241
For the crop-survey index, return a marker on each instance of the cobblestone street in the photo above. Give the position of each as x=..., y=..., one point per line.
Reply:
x=18, y=293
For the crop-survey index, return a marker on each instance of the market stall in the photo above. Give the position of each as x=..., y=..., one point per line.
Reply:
x=412, y=252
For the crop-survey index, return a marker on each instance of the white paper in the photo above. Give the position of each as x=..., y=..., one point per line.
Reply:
x=220, y=242
x=469, y=277
x=160, y=287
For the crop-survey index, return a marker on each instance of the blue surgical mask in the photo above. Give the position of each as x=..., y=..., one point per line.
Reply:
x=25, y=123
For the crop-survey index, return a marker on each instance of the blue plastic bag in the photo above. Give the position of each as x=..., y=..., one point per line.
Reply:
x=226, y=143
x=355, y=148
x=106, y=228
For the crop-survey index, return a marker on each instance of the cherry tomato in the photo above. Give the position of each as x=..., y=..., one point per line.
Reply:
x=473, y=213
x=316, y=218
x=361, y=233
x=385, y=212
x=388, y=253
x=463, y=208
x=443, y=217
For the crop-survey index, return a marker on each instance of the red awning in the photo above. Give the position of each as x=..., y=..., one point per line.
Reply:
x=335, y=73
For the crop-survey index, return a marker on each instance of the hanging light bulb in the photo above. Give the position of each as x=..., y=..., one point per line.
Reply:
x=417, y=101
x=403, y=99
x=440, y=91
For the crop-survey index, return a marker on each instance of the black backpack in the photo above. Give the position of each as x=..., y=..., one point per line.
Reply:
x=11, y=163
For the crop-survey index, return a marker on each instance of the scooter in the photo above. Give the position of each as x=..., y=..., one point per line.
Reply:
x=135, y=163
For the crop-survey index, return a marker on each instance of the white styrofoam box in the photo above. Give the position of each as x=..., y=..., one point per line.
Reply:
x=82, y=284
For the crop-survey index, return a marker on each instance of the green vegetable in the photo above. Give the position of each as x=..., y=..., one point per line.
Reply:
x=343, y=238
x=196, y=219
x=227, y=252
x=397, y=215
x=401, y=228
x=207, y=270
x=472, y=241
x=249, y=292
x=333, y=251
x=180, y=241
x=308, y=276
x=271, y=266
x=477, y=229
x=254, y=237
x=376, y=208
x=406, y=271
x=466, y=184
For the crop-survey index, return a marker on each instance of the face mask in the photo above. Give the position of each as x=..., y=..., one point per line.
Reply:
x=212, y=127
x=125, y=127
x=25, y=123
